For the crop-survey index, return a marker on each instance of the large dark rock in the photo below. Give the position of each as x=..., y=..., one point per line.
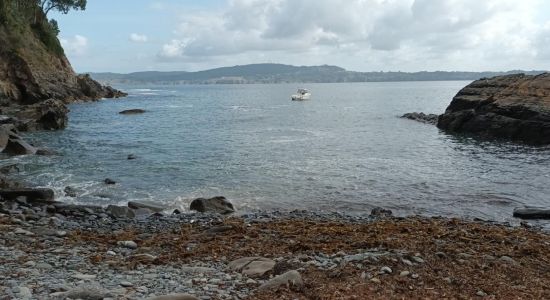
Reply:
x=215, y=205
x=532, y=213
x=421, y=117
x=13, y=144
x=514, y=107
x=32, y=194
x=120, y=211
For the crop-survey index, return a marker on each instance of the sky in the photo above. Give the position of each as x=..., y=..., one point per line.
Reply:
x=360, y=35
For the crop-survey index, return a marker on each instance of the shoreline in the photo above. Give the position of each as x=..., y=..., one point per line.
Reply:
x=92, y=256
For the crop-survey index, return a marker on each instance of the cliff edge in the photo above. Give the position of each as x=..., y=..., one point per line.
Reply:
x=514, y=107
x=36, y=78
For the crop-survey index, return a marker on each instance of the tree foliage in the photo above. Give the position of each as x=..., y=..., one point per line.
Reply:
x=63, y=6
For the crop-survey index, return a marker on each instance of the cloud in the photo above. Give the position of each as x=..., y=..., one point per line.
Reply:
x=75, y=46
x=138, y=38
x=412, y=34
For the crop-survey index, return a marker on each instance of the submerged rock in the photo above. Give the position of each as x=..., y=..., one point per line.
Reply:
x=532, y=213
x=514, y=107
x=132, y=111
x=380, y=212
x=109, y=181
x=421, y=117
x=216, y=205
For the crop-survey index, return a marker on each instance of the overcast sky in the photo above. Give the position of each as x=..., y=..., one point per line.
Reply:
x=359, y=35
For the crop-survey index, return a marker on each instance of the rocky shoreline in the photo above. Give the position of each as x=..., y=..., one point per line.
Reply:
x=60, y=251
x=512, y=107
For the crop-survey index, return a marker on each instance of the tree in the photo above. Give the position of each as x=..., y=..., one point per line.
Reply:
x=63, y=6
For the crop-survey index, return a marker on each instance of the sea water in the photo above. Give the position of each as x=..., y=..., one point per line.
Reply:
x=344, y=150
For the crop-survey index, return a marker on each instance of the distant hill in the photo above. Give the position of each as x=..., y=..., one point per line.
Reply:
x=279, y=73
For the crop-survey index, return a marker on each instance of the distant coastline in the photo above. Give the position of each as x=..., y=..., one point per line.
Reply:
x=279, y=73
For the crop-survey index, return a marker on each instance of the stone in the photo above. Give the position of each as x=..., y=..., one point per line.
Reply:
x=155, y=207
x=380, y=212
x=132, y=111
x=18, y=147
x=23, y=232
x=291, y=278
x=86, y=291
x=131, y=156
x=197, y=270
x=508, y=260
x=84, y=276
x=40, y=195
x=417, y=259
x=126, y=284
x=375, y=280
x=142, y=257
x=175, y=297
x=404, y=273
x=120, y=211
x=109, y=181
x=252, y=266
x=128, y=244
x=215, y=205
x=24, y=293
x=70, y=192
x=532, y=213
x=481, y=294
x=44, y=152
x=60, y=233
x=386, y=270
x=12, y=168
x=422, y=117
x=512, y=107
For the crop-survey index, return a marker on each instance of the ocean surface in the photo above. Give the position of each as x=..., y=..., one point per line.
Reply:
x=345, y=150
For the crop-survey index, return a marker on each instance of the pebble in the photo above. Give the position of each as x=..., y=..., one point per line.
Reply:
x=481, y=293
x=508, y=259
x=407, y=262
x=417, y=259
x=24, y=292
x=60, y=233
x=404, y=273
x=111, y=253
x=126, y=284
x=128, y=244
x=375, y=280
x=84, y=276
x=386, y=270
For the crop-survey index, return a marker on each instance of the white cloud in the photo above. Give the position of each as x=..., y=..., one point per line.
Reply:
x=75, y=46
x=367, y=34
x=138, y=38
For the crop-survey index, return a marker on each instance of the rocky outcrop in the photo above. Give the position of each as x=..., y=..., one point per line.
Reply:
x=37, y=80
x=513, y=107
x=421, y=117
x=11, y=143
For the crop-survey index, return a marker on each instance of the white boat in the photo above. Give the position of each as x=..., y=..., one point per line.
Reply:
x=301, y=95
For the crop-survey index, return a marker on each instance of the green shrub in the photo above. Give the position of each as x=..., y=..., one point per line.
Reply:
x=47, y=34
